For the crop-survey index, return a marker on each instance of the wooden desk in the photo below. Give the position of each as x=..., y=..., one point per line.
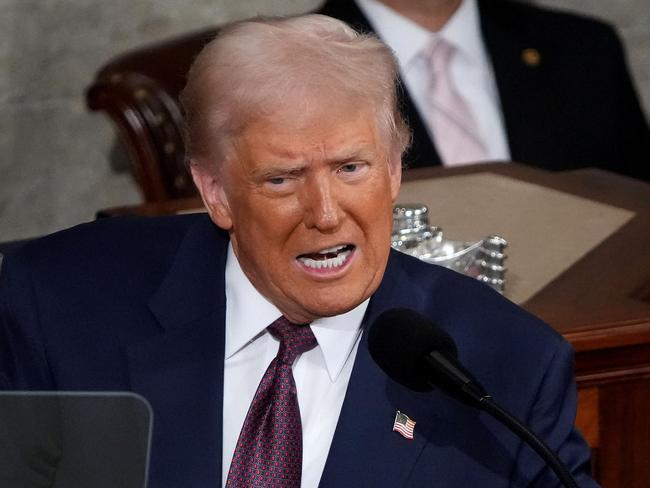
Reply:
x=601, y=305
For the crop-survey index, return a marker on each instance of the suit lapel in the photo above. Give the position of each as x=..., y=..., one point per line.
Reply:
x=422, y=151
x=364, y=430
x=180, y=371
x=521, y=80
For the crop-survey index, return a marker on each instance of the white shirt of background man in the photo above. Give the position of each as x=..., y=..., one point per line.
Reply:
x=471, y=69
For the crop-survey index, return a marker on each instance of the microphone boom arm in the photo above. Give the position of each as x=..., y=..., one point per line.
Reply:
x=519, y=429
x=452, y=372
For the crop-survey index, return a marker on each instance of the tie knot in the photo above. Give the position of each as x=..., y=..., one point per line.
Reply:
x=294, y=339
x=440, y=53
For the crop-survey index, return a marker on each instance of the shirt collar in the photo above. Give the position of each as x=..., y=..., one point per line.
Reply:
x=248, y=313
x=409, y=40
x=406, y=38
x=463, y=31
x=337, y=337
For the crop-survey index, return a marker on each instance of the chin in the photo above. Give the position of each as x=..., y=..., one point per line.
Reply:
x=334, y=307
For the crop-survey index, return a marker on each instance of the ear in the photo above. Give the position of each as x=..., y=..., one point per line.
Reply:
x=395, y=175
x=210, y=186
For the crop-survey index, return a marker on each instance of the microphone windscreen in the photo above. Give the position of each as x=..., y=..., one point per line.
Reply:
x=398, y=341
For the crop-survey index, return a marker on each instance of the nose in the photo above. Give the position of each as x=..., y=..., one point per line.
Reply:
x=322, y=209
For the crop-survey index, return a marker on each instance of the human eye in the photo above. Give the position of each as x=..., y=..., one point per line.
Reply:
x=279, y=184
x=276, y=181
x=351, y=169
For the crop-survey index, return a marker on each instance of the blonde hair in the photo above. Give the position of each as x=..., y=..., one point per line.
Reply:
x=256, y=66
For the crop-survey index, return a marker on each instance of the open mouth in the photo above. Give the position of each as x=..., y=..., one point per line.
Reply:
x=331, y=258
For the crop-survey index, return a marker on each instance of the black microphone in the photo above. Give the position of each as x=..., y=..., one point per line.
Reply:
x=414, y=352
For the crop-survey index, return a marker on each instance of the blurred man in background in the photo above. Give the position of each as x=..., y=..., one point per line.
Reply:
x=490, y=80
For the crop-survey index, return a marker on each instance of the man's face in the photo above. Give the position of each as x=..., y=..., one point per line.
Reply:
x=307, y=200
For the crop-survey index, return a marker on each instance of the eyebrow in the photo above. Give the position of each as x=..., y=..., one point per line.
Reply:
x=295, y=168
x=365, y=151
x=273, y=171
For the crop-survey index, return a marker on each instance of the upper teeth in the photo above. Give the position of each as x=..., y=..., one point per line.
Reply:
x=331, y=249
x=334, y=262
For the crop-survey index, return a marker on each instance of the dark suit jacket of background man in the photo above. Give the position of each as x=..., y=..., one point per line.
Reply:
x=139, y=304
x=577, y=108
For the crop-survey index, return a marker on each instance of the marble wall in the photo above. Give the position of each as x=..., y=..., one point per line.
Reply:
x=55, y=169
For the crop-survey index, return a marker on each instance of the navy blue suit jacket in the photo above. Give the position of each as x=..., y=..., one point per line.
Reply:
x=139, y=304
x=577, y=108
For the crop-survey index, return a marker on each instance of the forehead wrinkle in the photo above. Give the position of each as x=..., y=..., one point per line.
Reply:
x=287, y=148
x=364, y=150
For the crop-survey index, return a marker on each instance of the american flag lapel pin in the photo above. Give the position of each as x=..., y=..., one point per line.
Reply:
x=404, y=425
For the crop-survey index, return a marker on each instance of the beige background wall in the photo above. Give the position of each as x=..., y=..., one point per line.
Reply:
x=54, y=155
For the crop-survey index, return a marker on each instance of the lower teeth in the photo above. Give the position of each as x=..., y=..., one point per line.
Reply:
x=328, y=263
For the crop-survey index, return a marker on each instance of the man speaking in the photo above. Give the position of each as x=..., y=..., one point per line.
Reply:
x=246, y=329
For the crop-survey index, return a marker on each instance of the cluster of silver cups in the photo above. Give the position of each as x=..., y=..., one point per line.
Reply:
x=483, y=259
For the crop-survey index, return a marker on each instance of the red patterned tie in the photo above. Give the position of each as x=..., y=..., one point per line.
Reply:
x=269, y=449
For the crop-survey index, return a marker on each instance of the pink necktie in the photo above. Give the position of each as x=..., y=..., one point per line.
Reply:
x=455, y=131
x=269, y=449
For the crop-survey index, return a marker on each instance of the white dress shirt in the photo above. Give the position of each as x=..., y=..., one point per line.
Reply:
x=321, y=375
x=471, y=69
